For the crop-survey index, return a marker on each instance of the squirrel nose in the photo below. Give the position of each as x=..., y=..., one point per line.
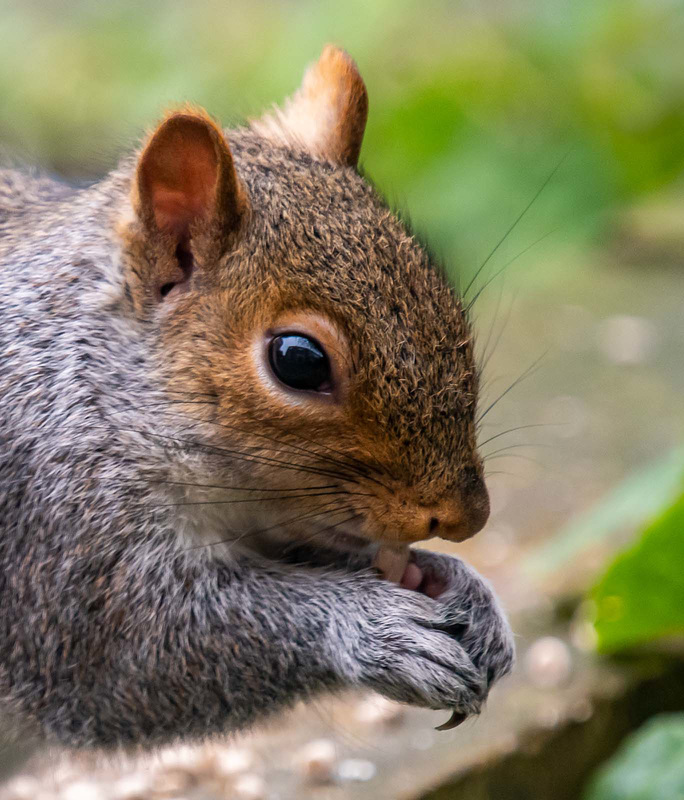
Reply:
x=458, y=527
x=459, y=519
x=456, y=514
x=453, y=521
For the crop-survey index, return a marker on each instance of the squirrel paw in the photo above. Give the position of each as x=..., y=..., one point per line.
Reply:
x=440, y=652
x=486, y=635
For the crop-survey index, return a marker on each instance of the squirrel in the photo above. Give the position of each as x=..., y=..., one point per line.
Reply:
x=235, y=388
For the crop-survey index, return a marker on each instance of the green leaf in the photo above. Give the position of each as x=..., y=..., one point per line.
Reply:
x=641, y=596
x=648, y=766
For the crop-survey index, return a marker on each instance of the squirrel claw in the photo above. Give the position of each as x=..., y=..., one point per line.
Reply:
x=454, y=721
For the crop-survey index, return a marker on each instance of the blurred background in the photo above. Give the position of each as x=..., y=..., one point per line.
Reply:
x=539, y=146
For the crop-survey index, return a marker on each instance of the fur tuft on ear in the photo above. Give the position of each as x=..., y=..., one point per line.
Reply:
x=186, y=175
x=327, y=115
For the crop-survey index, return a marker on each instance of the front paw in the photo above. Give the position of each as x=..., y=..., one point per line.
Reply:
x=408, y=647
x=486, y=635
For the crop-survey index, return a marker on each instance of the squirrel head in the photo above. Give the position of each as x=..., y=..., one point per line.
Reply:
x=328, y=362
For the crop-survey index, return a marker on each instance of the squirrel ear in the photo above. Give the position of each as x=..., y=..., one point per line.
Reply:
x=327, y=115
x=186, y=175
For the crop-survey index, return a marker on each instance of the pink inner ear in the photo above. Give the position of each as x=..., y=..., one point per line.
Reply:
x=180, y=170
x=175, y=210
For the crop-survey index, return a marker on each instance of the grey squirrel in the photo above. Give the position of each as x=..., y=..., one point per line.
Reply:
x=234, y=390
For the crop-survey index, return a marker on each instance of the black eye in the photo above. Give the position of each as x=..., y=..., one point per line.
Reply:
x=300, y=363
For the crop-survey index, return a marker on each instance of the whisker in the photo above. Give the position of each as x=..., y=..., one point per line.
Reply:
x=515, y=222
x=324, y=509
x=358, y=512
x=237, y=455
x=362, y=465
x=192, y=394
x=493, y=277
x=359, y=468
x=487, y=352
x=515, y=383
x=315, y=534
x=219, y=486
x=513, y=430
x=512, y=447
x=492, y=327
x=232, y=501
x=320, y=510
x=516, y=455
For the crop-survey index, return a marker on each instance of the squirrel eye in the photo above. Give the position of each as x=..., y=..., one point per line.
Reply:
x=300, y=363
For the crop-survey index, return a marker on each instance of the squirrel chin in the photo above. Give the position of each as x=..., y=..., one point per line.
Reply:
x=340, y=543
x=395, y=563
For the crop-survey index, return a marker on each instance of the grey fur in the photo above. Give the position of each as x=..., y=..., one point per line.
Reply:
x=113, y=630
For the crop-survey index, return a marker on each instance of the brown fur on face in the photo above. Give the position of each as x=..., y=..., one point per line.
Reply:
x=398, y=447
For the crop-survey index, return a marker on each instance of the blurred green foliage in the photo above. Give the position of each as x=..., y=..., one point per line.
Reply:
x=639, y=498
x=472, y=103
x=640, y=598
x=648, y=766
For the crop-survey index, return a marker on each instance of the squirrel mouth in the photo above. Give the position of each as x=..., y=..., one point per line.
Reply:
x=397, y=566
x=395, y=563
